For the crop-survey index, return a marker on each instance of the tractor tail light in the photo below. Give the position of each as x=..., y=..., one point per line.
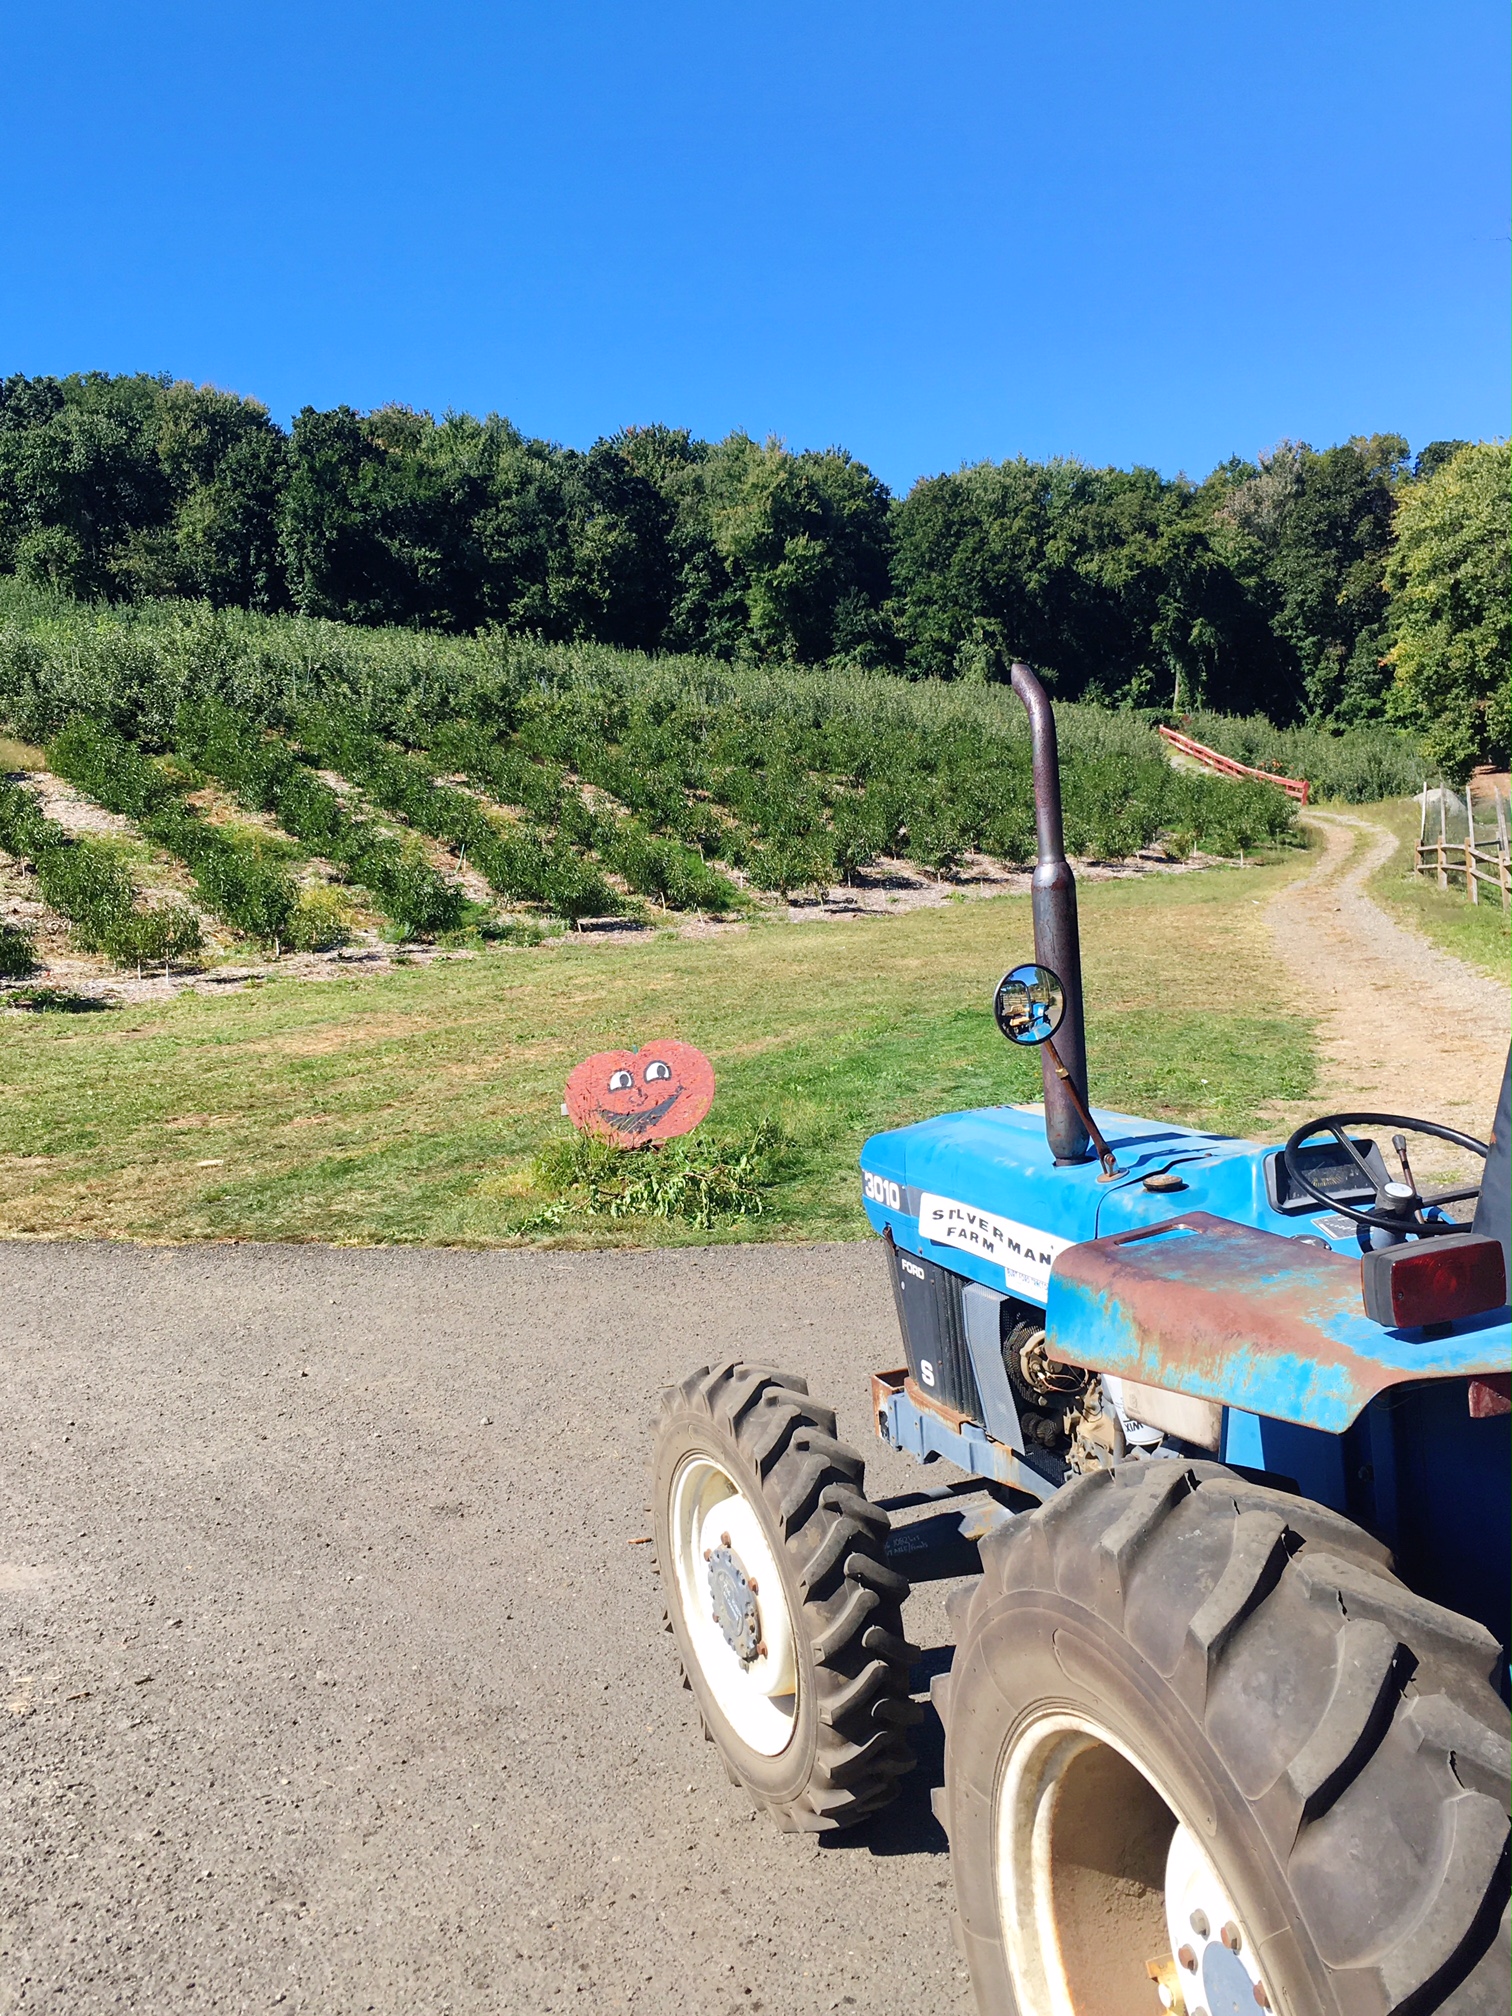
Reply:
x=1434, y=1280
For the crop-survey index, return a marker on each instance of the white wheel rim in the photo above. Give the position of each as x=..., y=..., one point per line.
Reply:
x=1107, y=1903
x=757, y=1697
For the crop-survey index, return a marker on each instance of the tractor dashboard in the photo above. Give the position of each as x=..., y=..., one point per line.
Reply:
x=1332, y=1169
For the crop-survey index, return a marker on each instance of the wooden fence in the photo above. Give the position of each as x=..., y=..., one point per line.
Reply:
x=1229, y=766
x=1475, y=863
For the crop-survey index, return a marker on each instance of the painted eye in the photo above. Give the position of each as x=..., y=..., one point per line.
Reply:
x=620, y=1081
x=656, y=1071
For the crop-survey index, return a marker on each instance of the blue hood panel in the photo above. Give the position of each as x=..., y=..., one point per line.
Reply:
x=979, y=1193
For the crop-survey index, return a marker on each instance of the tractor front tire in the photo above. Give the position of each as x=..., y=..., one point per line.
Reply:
x=784, y=1610
x=1203, y=1746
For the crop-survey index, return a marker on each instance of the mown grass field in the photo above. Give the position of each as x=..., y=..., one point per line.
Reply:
x=408, y=1107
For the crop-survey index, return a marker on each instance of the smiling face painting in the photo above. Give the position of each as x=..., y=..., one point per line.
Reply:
x=636, y=1096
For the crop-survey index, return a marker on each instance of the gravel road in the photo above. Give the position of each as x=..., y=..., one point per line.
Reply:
x=334, y=1673
x=1404, y=1027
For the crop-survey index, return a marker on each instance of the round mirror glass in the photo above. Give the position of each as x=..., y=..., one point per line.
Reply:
x=1029, y=1004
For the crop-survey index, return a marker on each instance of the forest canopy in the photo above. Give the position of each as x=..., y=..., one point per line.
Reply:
x=1276, y=586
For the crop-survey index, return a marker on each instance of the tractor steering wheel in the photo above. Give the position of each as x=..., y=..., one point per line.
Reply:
x=1398, y=1207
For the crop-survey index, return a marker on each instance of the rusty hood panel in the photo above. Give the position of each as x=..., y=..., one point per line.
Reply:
x=1205, y=1306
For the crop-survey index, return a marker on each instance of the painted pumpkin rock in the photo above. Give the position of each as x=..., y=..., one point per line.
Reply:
x=632, y=1097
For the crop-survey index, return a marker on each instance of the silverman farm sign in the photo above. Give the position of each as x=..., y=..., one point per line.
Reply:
x=1024, y=1254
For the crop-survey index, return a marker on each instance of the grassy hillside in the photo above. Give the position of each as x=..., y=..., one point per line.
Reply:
x=575, y=780
x=410, y=1107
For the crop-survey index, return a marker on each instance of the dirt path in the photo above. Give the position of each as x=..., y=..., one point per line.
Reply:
x=1405, y=1027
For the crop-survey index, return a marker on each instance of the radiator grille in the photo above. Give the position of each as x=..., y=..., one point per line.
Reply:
x=934, y=1330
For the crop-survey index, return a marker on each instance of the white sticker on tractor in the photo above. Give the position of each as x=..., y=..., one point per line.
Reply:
x=1023, y=1254
x=1334, y=1225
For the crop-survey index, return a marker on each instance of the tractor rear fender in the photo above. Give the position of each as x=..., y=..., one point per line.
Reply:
x=1222, y=1312
x=1270, y=1335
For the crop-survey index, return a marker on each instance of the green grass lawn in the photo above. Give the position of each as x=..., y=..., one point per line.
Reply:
x=1474, y=932
x=408, y=1107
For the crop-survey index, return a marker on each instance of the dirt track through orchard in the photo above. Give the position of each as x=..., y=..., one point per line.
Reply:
x=1404, y=1027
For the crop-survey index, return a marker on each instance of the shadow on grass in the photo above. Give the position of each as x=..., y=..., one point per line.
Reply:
x=53, y=1001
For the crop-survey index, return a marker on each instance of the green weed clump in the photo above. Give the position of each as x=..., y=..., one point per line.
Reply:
x=53, y=1001
x=86, y=882
x=320, y=921
x=696, y=1182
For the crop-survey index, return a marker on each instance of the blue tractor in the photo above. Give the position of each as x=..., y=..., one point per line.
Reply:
x=1225, y=1723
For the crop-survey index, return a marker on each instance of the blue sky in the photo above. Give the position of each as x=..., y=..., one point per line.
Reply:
x=933, y=233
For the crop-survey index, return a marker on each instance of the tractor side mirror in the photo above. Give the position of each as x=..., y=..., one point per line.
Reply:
x=1030, y=1004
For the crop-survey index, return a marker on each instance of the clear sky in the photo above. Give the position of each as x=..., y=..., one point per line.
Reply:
x=1164, y=232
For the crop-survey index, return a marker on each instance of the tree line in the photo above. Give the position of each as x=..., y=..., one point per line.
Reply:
x=1333, y=586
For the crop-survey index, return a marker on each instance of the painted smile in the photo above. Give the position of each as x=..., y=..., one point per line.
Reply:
x=638, y=1123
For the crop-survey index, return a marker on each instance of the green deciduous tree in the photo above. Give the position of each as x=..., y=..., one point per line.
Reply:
x=377, y=520
x=227, y=465
x=1308, y=533
x=1449, y=608
x=78, y=477
x=575, y=545
x=132, y=486
x=1107, y=579
x=806, y=539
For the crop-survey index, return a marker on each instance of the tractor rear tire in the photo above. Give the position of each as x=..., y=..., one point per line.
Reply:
x=1199, y=1736
x=751, y=1488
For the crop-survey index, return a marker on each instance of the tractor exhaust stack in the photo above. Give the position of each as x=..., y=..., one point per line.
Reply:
x=1057, y=939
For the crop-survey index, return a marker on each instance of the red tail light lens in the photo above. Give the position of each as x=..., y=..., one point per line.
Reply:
x=1434, y=1280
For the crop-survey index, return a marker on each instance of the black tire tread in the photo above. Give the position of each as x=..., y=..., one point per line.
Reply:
x=1411, y=1724
x=812, y=1486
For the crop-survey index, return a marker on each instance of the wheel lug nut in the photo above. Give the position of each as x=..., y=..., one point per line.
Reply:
x=1260, y=1995
x=761, y=1650
x=1231, y=1937
x=1200, y=1924
x=724, y=1539
x=708, y=1553
x=1188, y=1959
x=754, y=1586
